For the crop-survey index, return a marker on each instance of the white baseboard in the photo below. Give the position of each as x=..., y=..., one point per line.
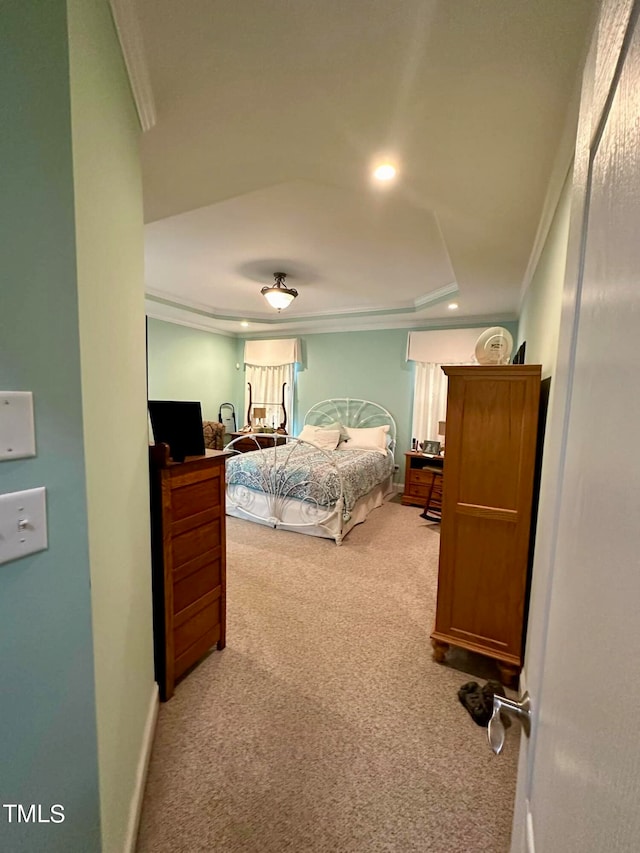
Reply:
x=135, y=808
x=522, y=685
x=531, y=847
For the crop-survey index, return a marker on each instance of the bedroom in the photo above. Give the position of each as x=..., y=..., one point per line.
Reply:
x=370, y=265
x=332, y=727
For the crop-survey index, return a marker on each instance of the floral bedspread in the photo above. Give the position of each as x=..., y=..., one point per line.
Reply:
x=298, y=470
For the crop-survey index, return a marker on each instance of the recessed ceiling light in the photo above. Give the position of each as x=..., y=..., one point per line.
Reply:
x=452, y=306
x=384, y=172
x=244, y=324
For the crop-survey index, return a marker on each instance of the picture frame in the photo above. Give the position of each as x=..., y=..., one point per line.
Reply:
x=519, y=356
x=431, y=447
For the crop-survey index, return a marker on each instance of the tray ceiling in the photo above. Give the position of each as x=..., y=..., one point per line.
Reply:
x=269, y=115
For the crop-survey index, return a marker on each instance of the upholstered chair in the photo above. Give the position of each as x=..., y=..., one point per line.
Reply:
x=213, y=435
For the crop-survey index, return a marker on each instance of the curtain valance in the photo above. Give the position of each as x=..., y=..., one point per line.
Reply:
x=272, y=353
x=450, y=346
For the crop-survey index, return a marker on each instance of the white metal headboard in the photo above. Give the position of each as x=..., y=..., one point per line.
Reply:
x=357, y=414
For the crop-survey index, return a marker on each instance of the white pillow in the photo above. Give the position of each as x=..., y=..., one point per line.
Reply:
x=370, y=438
x=336, y=425
x=324, y=439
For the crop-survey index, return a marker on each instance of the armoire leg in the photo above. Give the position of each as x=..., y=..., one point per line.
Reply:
x=440, y=650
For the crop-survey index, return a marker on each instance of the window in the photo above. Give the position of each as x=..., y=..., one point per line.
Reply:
x=270, y=368
x=266, y=393
x=429, y=401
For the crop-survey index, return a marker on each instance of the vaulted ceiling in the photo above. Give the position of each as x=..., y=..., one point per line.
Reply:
x=270, y=114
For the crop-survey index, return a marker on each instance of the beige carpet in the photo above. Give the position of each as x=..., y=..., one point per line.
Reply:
x=325, y=725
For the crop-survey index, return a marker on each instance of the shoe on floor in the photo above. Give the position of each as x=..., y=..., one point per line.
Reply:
x=479, y=701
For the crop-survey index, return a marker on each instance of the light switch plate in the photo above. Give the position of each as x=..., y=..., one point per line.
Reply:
x=17, y=432
x=23, y=523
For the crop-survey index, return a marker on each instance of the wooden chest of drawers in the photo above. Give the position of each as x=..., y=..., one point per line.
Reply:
x=418, y=477
x=189, y=569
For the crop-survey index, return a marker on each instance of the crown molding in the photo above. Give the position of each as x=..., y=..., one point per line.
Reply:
x=183, y=316
x=438, y=295
x=560, y=172
x=409, y=325
x=132, y=44
x=186, y=318
x=422, y=303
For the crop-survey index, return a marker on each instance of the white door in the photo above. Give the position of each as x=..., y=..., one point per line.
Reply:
x=579, y=777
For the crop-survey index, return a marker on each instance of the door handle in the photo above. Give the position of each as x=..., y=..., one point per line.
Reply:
x=501, y=705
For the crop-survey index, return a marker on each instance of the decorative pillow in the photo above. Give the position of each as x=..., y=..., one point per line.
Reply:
x=324, y=439
x=336, y=425
x=370, y=438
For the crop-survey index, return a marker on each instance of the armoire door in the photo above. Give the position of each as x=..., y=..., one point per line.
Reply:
x=492, y=419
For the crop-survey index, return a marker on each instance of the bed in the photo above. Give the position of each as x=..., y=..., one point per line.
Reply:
x=293, y=484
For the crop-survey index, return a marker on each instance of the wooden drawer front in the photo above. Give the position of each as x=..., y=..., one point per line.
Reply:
x=418, y=491
x=196, y=542
x=203, y=578
x=423, y=478
x=245, y=446
x=195, y=498
x=208, y=517
x=197, y=650
x=196, y=621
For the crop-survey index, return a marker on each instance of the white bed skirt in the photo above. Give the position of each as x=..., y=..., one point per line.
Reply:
x=298, y=516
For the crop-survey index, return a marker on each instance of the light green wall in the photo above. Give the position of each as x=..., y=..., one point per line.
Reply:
x=366, y=365
x=540, y=314
x=47, y=707
x=190, y=364
x=109, y=236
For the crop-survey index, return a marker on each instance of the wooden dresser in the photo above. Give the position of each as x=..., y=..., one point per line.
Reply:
x=189, y=560
x=492, y=420
x=419, y=478
x=252, y=441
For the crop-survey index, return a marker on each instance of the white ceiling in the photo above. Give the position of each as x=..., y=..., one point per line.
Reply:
x=269, y=115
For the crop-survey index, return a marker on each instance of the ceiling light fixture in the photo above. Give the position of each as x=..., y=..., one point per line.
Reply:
x=384, y=172
x=278, y=295
x=452, y=306
x=244, y=324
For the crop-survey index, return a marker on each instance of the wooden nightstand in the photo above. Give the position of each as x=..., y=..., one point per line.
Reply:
x=250, y=441
x=418, y=479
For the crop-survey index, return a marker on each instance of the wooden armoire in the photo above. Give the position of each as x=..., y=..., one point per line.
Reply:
x=492, y=424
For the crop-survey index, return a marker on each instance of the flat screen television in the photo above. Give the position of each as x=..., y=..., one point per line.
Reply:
x=178, y=424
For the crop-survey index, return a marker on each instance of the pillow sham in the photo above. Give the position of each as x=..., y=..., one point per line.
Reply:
x=336, y=425
x=322, y=438
x=369, y=438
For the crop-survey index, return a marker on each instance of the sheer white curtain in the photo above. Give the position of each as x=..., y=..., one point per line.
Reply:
x=429, y=401
x=266, y=391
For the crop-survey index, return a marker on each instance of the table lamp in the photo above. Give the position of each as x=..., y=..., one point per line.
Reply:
x=259, y=412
